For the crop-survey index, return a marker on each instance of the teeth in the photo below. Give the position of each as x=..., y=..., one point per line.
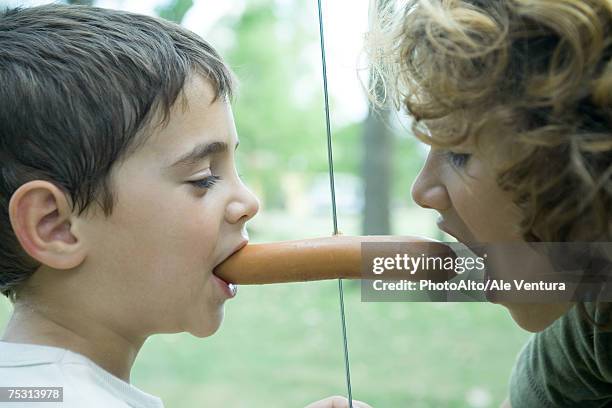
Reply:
x=233, y=288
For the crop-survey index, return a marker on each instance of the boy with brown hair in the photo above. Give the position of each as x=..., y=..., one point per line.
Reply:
x=118, y=196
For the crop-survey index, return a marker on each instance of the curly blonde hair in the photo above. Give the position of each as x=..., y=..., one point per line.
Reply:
x=539, y=69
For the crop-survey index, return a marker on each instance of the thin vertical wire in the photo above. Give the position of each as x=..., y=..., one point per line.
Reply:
x=330, y=160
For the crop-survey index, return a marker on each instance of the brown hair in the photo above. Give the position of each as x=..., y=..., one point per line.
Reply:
x=79, y=83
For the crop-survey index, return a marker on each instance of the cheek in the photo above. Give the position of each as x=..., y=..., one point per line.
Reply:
x=163, y=241
x=486, y=210
x=163, y=258
x=471, y=204
x=184, y=230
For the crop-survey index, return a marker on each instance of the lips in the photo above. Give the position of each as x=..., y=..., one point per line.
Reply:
x=442, y=226
x=241, y=245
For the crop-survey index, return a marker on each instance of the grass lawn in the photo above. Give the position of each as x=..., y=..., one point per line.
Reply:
x=281, y=346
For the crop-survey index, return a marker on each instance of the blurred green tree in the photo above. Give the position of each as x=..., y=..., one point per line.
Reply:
x=377, y=164
x=174, y=10
x=279, y=107
x=83, y=2
x=376, y=170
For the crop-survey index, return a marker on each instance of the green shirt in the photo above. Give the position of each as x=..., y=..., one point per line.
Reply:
x=567, y=365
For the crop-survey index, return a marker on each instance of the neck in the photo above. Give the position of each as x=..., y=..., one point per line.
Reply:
x=104, y=345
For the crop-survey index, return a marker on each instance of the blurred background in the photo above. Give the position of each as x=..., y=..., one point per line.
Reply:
x=281, y=345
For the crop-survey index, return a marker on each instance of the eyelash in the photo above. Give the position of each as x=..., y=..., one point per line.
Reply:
x=458, y=159
x=207, y=182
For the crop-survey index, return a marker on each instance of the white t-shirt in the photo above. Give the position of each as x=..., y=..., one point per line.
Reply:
x=84, y=383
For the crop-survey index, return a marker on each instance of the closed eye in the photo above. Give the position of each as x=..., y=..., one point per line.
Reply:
x=206, y=182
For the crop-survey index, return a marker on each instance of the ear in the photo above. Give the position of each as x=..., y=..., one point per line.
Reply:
x=42, y=220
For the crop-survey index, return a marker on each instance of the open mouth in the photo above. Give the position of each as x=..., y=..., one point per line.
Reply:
x=229, y=288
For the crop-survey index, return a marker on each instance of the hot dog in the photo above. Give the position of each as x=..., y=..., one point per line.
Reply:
x=317, y=259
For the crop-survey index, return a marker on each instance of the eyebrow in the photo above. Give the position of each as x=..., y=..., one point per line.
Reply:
x=200, y=152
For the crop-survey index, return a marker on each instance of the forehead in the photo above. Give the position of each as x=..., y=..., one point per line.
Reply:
x=194, y=119
x=469, y=130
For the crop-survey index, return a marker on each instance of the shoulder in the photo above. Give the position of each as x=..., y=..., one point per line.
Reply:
x=27, y=365
x=30, y=365
x=566, y=365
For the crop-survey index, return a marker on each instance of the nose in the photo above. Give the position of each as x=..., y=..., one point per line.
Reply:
x=243, y=206
x=428, y=190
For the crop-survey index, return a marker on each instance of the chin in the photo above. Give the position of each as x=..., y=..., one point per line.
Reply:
x=531, y=326
x=208, y=326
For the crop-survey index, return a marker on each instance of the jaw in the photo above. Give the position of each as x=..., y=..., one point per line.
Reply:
x=536, y=317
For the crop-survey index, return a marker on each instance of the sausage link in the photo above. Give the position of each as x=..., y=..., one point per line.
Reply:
x=315, y=259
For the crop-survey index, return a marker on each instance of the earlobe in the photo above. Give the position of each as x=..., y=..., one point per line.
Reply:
x=42, y=220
